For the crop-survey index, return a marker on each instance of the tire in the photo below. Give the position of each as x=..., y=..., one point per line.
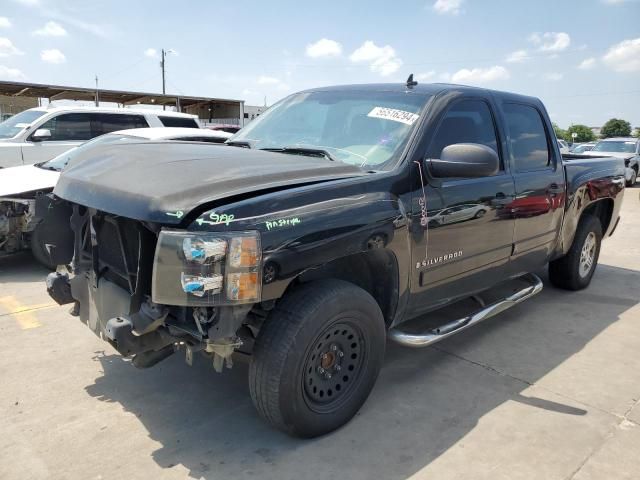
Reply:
x=634, y=177
x=317, y=357
x=38, y=247
x=480, y=214
x=570, y=272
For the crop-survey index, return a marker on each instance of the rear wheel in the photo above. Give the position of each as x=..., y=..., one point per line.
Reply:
x=634, y=177
x=317, y=357
x=575, y=270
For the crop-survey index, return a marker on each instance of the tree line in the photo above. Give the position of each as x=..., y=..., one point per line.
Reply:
x=614, y=127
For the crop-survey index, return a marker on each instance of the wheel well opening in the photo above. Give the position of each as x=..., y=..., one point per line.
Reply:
x=603, y=210
x=375, y=271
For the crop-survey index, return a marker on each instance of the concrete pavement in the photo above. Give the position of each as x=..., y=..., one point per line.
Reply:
x=547, y=390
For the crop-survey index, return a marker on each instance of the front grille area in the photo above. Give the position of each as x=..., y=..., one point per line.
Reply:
x=118, y=249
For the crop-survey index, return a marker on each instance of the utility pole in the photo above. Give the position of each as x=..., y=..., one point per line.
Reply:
x=97, y=93
x=164, y=54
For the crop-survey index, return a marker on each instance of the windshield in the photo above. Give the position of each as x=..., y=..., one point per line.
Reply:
x=59, y=162
x=621, y=146
x=365, y=128
x=14, y=125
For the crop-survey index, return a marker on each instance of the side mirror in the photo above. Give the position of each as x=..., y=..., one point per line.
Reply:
x=41, y=134
x=465, y=160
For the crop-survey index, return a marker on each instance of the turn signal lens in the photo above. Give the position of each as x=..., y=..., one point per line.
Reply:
x=242, y=286
x=243, y=252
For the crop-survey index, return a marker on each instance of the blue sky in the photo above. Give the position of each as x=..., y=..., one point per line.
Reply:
x=581, y=57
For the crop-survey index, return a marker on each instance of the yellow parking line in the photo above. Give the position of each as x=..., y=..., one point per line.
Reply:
x=23, y=314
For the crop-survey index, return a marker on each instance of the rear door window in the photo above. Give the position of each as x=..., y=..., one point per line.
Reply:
x=527, y=137
x=169, y=121
x=111, y=122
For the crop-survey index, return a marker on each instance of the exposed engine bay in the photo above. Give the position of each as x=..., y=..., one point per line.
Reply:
x=17, y=221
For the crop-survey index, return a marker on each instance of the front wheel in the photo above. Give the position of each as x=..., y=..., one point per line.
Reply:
x=634, y=176
x=317, y=357
x=575, y=270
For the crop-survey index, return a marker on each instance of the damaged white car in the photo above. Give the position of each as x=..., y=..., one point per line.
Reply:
x=24, y=186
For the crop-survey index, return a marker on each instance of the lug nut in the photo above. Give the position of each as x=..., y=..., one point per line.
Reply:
x=320, y=370
x=334, y=347
x=341, y=354
x=337, y=368
x=327, y=375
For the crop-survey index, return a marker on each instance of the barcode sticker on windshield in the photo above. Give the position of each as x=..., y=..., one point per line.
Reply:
x=401, y=116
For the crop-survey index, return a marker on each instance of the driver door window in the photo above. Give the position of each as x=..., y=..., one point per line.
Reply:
x=467, y=121
x=69, y=127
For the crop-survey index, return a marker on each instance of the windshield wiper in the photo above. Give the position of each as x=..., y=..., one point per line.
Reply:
x=239, y=143
x=313, y=152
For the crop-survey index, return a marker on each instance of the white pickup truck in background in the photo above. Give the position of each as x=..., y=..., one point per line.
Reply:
x=39, y=134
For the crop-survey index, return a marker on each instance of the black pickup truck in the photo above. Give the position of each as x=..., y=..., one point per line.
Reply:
x=321, y=228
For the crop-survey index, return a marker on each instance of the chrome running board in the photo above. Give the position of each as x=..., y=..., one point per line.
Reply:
x=418, y=340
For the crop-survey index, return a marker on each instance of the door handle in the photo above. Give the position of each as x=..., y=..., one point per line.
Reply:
x=500, y=200
x=555, y=189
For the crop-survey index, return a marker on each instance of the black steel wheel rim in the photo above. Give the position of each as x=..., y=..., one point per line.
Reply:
x=333, y=366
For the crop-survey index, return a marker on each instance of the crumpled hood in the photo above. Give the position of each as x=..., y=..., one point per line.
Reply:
x=25, y=179
x=164, y=181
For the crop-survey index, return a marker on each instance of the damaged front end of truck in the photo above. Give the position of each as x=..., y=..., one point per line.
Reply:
x=151, y=291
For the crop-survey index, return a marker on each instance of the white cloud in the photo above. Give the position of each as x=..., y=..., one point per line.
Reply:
x=550, y=41
x=451, y=7
x=7, y=48
x=324, y=48
x=273, y=82
x=614, y=2
x=382, y=60
x=51, y=29
x=93, y=28
x=151, y=53
x=5, y=22
x=624, y=56
x=553, y=76
x=7, y=73
x=517, y=56
x=265, y=80
x=29, y=3
x=587, y=63
x=53, y=55
x=425, y=76
x=481, y=75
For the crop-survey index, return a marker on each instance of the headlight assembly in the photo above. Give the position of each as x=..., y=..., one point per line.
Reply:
x=206, y=268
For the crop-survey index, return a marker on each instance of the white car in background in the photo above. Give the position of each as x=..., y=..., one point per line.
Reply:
x=458, y=213
x=563, y=146
x=39, y=134
x=20, y=186
x=582, y=147
x=627, y=148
